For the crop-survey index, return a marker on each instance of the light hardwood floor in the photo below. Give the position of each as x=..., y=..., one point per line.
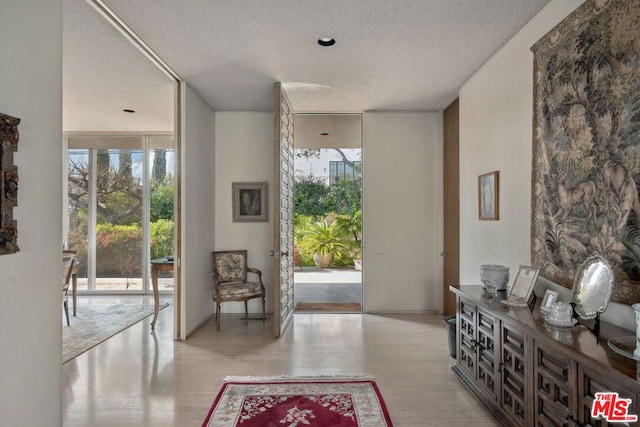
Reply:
x=139, y=378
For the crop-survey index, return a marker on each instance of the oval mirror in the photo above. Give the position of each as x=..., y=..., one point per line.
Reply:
x=592, y=287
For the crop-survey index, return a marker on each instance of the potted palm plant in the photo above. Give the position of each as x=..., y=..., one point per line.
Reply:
x=324, y=241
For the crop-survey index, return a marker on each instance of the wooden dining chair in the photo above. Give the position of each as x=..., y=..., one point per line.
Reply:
x=230, y=281
x=67, y=268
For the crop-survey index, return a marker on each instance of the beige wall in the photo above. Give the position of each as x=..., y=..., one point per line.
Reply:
x=496, y=110
x=496, y=134
x=402, y=199
x=31, y=313
x=198, y=218
x=244, y=153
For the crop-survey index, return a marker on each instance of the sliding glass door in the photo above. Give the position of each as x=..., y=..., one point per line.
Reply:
x=119, y=208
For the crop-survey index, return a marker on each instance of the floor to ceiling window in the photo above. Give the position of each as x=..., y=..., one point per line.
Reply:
x=119, y=209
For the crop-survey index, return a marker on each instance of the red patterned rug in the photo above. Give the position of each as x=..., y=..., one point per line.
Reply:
x=298, y=402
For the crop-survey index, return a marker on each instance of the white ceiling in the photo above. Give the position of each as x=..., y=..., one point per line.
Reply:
x=342, y=130
x=103, y=73
x=389, y=55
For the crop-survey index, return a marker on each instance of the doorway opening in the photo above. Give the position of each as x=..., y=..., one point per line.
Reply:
x=328, y=212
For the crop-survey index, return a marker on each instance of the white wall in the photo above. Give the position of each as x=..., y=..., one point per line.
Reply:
x=496, y=111
x=198, y=192
x=31, y=313
x=244, y=153
x=402, y=180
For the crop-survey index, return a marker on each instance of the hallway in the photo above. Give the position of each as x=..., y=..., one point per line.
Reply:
x=144, y=378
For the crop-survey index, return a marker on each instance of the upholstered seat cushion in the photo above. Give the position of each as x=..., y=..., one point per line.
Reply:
x=232, y=267
x=239, y=290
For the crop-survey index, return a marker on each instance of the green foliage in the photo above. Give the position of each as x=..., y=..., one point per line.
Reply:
x=309, y=194
x=301, y=223
x=324, y=238
x=118, y=250
x=327, y=218
x=162, y=200
x=78, y=242
x=344, y=197
x=351, y=226
x=128, y=207
x=119, y=247
x=313, y=197
x=161, y=234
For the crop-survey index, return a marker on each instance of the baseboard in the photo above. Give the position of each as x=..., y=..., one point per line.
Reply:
x=200, y=326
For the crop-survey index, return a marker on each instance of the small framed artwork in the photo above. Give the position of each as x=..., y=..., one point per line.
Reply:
x=250, y=201
x=547, y=301
x=488, y=196
x=520, y=292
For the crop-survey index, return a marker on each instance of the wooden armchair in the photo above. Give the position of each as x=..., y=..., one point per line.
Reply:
x=230, y=281
x=67, y=269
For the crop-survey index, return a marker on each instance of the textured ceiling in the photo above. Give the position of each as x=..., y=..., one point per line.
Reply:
x=103, y=73
x=389, y=55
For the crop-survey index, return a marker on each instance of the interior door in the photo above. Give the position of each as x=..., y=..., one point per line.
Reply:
x=451, y=214
x=283, y=212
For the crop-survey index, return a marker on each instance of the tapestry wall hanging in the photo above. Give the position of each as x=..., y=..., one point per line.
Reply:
x=8, y=184
x=586, y=145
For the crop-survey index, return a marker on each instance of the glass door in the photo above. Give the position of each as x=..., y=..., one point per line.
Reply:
x=119, y=209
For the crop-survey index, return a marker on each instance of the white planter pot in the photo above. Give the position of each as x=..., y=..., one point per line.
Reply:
x=322, y=261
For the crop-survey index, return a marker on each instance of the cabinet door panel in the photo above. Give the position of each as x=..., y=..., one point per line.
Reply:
x=487, y=334
x=512, y=367
x=466, y=334
x=590, y=383
x=554, y=383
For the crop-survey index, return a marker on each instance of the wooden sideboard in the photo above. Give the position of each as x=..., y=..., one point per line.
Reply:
x=530, y=375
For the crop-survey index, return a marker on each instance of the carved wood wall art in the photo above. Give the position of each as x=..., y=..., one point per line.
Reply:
x=586, y=145
x=8, y=184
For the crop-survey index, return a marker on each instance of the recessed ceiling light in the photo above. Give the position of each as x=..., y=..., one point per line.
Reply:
x=326, y=41
x=324, y=134
x=126, y=110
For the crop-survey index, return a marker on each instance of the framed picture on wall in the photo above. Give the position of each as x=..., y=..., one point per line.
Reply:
x=488, y=196
x=250, y=201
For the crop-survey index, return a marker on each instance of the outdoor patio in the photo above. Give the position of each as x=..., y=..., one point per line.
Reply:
x=312, y=285
x=327, y=285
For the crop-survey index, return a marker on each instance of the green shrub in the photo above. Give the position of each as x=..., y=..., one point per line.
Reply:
x=118, y=250
x=78, y=242
x=162, y=200
x=309, y=193
x=119, y=247
x=161, y=234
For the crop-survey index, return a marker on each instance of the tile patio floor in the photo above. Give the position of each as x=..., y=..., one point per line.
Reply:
x=327, y=285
